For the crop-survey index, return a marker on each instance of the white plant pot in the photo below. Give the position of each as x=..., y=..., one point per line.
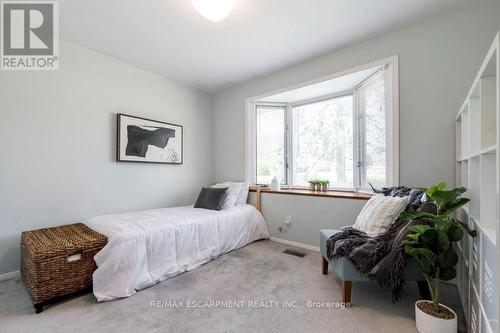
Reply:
x=430, y=324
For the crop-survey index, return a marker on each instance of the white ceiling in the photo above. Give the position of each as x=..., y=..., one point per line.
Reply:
x=323, y=88
x=260, y=36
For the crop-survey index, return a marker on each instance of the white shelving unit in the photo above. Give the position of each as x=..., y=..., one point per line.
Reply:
x=477, y=169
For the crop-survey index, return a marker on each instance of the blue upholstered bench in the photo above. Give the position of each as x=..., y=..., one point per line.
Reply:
x=348, y=273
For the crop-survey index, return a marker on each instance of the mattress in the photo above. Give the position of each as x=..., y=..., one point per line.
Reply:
x=147, y=247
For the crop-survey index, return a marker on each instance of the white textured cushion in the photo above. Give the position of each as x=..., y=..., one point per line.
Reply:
x=379, y=213
x=232, y=193
x=243, y=197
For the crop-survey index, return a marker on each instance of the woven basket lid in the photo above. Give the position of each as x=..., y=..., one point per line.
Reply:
x=62, y=240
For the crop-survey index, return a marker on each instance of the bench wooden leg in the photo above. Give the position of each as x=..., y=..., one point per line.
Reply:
x=38, y=308
x=346, y=291
x=324, y=266
x=423, y=289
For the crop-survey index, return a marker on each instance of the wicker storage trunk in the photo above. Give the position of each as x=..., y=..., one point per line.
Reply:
x=58, y=261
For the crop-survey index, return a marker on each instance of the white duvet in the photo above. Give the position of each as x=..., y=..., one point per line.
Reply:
x=147, y=247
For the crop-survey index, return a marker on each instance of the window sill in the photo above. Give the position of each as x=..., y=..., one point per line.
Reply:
x=324, y=194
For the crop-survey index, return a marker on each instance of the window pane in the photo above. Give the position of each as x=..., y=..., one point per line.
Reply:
x=374, y=132
x=323, y=142
x=270, y=127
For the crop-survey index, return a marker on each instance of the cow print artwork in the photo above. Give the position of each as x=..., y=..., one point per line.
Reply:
x=146, y=140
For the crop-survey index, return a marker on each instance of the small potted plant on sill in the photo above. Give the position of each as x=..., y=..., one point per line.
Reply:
x=324, y=184
x=313, y=184
x=431, y=245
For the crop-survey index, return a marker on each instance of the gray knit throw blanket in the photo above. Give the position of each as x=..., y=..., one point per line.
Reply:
x=382, y=258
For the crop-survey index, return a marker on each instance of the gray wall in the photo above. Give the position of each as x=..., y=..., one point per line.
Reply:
x=438, y=61
x=309, y=215
x=57, y=134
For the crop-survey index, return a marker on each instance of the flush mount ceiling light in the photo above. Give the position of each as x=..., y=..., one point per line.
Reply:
x=214, y=10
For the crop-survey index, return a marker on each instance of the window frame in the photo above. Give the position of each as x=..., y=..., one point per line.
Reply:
x=286, y=160
x=324, y=98
x=392, y=102
x=360, y=127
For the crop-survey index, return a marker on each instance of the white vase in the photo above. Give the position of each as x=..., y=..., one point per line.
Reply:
x=275, y=184
x=430, y=324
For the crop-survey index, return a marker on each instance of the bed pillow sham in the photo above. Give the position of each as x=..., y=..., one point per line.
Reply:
x=233, y=191
x=379, y=213
x=243, y=196
x=211, y=198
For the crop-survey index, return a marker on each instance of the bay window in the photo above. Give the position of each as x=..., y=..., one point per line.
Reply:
x=348, y=137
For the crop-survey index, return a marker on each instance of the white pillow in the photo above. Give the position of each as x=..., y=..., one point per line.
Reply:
x=379, y=213
x=232, y=193
x=243, y=197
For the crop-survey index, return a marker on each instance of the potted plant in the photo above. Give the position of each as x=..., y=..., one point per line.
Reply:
x=431, y=245
x=324, y=184
x=313, y=184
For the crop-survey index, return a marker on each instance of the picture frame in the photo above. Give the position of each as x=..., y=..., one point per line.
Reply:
x=146, y=140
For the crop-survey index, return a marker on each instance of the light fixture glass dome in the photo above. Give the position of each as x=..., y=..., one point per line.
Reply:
x=214, y=10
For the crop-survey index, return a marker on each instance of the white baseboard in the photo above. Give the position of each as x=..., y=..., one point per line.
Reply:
x=10, y=275
x=296, y=244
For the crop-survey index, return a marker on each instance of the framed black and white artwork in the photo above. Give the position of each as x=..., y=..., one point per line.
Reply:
x=146, y=140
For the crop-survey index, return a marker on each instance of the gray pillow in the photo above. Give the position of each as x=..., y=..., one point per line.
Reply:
x=211, y=198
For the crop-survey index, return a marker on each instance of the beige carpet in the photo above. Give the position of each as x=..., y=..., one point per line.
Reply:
x=272, y=290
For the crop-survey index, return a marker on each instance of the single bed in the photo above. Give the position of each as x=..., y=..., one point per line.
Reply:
x=147, y=247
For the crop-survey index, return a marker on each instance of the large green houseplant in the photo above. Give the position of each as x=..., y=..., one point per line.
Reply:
x=430, y=243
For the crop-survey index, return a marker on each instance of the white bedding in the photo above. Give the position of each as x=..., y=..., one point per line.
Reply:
x=147, y=247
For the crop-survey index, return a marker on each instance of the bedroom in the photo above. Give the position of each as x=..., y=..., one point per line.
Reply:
x=207, y=103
